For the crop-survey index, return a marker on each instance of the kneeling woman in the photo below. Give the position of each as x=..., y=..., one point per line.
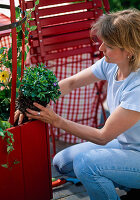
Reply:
x=111, y=158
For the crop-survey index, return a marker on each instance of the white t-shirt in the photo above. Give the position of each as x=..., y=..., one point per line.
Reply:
x=124, y=93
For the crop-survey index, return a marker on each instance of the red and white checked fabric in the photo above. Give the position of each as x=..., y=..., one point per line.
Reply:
x=80, y=105
x=5, y=39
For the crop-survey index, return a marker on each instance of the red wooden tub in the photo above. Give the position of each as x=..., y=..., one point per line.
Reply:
x=31, y=178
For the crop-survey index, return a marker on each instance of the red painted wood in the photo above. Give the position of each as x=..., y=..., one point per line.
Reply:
x=61, y=31
x=69, y=53
x=36, y=161
x=64, y=28
x=62, y=45
x=97, y=3
x=64, y=18
x=42, y=3
x=60, y=38
x=11, y=180
x=39, y=31
x=62, y=54
x=63, y=9
x=31, y=179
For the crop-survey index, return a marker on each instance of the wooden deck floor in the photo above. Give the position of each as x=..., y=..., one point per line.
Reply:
x=69, y=191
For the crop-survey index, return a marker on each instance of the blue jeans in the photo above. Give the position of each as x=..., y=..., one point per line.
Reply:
x=100, y=168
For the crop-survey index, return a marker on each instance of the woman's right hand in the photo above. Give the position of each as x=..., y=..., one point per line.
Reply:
x=18, y=117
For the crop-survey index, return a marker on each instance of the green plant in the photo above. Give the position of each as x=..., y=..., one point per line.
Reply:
x=38, y=84
x=7, y=135
x=6, y=76
x=5, y=97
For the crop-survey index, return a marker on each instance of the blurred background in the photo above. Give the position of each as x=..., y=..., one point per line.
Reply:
x=122, y=4
x=7, y=2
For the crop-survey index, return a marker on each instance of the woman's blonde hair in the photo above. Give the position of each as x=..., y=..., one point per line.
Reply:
x=121, y=29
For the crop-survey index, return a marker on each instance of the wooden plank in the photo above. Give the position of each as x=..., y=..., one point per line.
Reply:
x=64, y=18
x=98, y=13
x=36, y=160
x=29, y=4
x=65, y=54
x=11, y=180
x=63, y=28
x=53, y=47
x=62, y=38
x=63, y=9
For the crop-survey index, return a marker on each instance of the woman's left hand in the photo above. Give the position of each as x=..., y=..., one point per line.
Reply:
x=46, y=114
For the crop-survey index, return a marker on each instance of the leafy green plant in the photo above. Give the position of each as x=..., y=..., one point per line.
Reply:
x=7, y=135
x=6, y=76
x=38, y=84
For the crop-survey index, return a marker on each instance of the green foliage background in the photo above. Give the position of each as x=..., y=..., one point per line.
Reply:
x=123, y=4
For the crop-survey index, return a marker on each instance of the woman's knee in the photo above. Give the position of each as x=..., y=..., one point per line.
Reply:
x=62, y=163
x=81, y=165
x=88, y=163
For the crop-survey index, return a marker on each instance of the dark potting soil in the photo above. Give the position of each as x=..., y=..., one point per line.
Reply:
x=22, y=103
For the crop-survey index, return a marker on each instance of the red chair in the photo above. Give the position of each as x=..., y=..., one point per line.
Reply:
x=62, y=42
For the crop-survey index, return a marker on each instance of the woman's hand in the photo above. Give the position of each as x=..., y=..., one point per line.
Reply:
x=18, y=117
x=46, y=114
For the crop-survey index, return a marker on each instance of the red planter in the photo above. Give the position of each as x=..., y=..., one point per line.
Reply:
x=31, y=178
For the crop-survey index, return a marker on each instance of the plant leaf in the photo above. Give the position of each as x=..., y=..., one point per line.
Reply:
x=33, y=28
x=5, y=165
x=37, y=2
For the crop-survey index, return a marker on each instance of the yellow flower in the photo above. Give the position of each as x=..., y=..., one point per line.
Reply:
x=1, y=56
x=4, y=77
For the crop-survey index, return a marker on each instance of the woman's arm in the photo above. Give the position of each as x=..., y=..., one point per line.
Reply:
x=83, y=78
x=118, y=122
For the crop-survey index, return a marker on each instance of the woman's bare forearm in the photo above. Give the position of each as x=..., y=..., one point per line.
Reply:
x=81, y=131
x=78, y=80
x=65, y=86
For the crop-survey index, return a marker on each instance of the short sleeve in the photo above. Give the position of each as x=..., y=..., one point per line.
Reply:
x=131, y=99
x=99, y=69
